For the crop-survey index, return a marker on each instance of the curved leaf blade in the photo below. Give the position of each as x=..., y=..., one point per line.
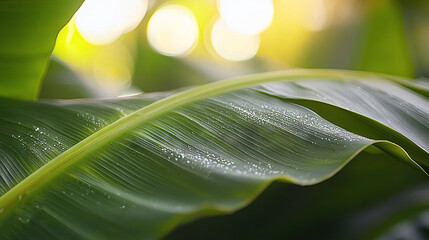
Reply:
x=106, y=169
x=393, y=106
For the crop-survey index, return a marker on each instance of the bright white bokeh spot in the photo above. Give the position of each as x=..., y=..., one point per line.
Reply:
x=247, y=16
x=231, y=45
x=172, y=30
x=103, y=21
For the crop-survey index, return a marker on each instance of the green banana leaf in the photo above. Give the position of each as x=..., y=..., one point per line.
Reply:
x=28, y=30
x=135, y=168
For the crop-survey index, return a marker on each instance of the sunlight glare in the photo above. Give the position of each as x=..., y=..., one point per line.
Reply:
x=231, y=45
x=247, y=16
x=318, y=16
x=101, y=22
x=172, y=30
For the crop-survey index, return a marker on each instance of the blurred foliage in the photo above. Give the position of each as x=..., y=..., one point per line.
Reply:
x=387, y=36
x=416, y=18
x=63, y=83
x=383, y=44
x=29, y=42
x=155, y=72
x=106, y=67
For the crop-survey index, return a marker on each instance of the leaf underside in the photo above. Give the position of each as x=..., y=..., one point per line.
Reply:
x=113, y=175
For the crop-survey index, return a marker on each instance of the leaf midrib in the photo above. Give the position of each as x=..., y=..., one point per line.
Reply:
x=38, y=178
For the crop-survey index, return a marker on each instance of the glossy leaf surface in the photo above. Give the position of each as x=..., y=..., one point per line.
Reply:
x=137, y=167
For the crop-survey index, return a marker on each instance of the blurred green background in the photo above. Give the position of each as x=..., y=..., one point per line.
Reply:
x=117, y=47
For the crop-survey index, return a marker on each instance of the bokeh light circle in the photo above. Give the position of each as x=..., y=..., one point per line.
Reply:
x=247, y=16
x=172, y=30
x=103, y=21
x=231, y=45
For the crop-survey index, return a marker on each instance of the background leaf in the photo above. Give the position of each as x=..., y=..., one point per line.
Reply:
x=61, y=82
x=29, y=30
x=383, y=45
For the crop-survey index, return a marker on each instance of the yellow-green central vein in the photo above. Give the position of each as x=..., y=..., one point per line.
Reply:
x=75, y=153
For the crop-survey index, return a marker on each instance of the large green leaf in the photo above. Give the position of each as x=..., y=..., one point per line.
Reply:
x=28, y=29
x=136, y=167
